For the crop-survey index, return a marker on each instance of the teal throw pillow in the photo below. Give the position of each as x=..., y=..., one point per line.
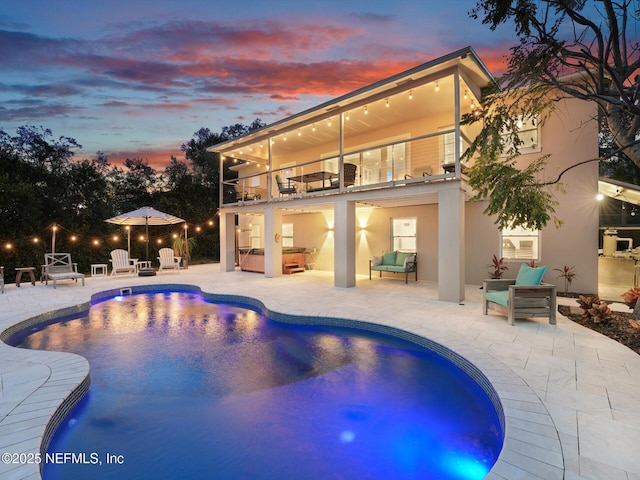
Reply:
x=389, y=258
x=530, y=275
x=400, y=258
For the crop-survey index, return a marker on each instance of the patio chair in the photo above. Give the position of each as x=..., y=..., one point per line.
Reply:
x=58, y=266
x=288, y=190
x=349, y=174
x=168, y=260
x=121, y=263
x=523, y=297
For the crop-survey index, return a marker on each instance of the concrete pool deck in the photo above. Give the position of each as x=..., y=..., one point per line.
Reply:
x=570, y=395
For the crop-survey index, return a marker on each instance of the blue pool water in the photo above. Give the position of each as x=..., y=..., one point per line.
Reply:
x=183, y=388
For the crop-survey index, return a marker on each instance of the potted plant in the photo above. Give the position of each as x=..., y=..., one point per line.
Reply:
x=498, y=267
x=182, y=248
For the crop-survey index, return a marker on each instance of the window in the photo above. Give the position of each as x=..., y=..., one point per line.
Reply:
x=403, y=234
x=520, y=243
x=528, y=134
x=254, y=236
x=287, y=234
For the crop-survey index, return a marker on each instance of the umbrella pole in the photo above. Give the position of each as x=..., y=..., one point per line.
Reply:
x=146, y=223
x=53, y=240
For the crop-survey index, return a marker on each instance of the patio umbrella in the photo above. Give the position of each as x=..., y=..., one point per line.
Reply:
x=145, y=216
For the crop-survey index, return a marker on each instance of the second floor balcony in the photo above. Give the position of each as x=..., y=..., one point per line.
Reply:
x=425, y=159
x=402, y=130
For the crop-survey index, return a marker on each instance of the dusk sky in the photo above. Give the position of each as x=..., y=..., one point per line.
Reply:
x=138, y=78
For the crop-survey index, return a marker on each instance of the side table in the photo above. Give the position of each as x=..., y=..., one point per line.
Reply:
x=30, y=270
x=144, y=264
x=98, y=269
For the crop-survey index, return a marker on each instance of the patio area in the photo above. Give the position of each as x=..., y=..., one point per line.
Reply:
x=570, y=395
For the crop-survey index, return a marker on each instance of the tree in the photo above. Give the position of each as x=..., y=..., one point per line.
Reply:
x=567, y=49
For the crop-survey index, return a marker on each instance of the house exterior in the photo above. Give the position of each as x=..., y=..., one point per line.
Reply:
x=379, y=169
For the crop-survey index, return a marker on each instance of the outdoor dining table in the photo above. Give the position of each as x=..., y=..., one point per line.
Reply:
x=307, y=178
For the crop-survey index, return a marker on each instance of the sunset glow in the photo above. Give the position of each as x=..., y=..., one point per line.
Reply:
x=139, y=80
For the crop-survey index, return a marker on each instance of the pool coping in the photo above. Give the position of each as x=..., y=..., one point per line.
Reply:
x=529, y=445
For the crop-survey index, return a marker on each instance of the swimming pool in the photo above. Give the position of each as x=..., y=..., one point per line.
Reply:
x=183, y=388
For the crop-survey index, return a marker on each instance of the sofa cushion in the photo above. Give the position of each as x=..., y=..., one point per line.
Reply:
x=500, y=297
x=389, y=258
x=394, y=268
x=530, y=275
x=401, y=257
x=376, y=261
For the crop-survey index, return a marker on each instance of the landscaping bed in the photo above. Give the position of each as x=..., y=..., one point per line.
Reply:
x=616, y=327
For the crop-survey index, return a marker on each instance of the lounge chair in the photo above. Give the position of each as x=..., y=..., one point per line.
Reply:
x=121, y=263
x=523, y=297
x=58, y=266
x=168, y=260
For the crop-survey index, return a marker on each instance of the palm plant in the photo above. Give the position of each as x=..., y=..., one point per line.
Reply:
x=568, y=274
x=182, y=248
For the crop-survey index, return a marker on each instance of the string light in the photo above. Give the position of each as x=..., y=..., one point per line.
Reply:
x=92, y=242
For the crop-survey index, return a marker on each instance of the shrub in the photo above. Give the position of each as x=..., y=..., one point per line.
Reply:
x=600, y=312
x=631, y=296
x=594, y=309
x=586, y=301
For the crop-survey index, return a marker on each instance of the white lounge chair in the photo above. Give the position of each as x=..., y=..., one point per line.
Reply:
x=121, y=263
x=58, y=266
x=168, y=260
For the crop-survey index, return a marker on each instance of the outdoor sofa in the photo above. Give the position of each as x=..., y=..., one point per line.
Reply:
x=396, y=262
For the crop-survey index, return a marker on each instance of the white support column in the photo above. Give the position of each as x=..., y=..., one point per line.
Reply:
x=451, y=271
x=272, y=242
x=344, y=266
x=227, y=242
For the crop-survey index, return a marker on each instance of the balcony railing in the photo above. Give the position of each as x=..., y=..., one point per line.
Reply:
x=427, y=158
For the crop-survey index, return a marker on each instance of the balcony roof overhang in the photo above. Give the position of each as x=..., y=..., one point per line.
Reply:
x=625, y=192
x=465, y=60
